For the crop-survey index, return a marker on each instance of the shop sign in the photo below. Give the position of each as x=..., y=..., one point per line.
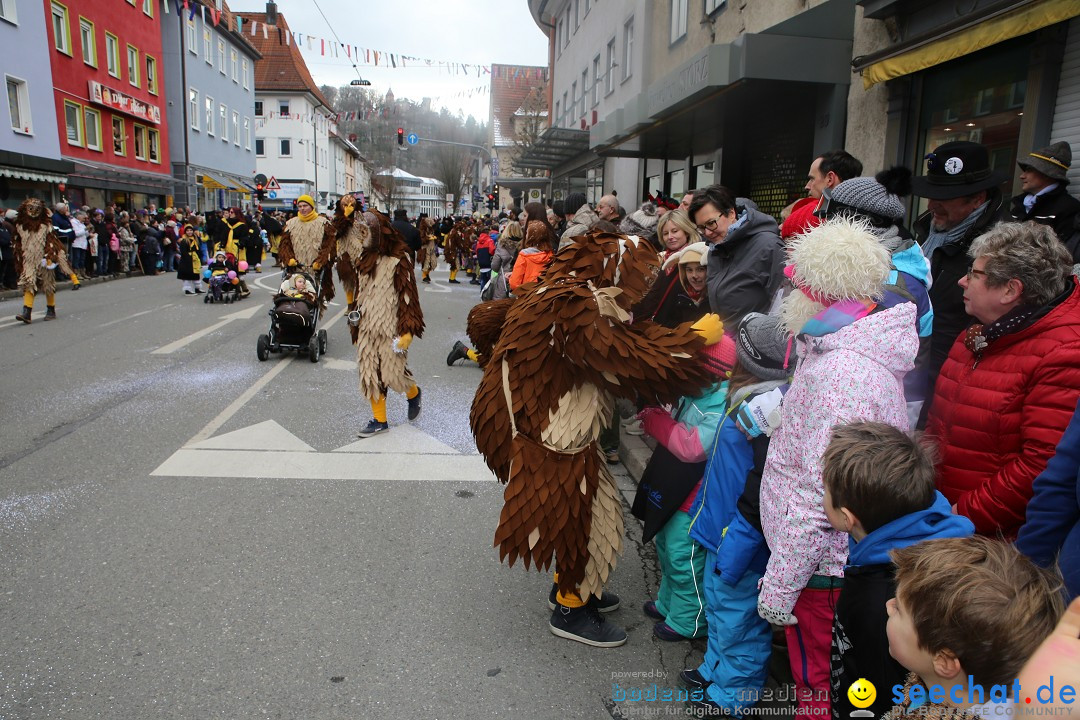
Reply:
x=126, y=104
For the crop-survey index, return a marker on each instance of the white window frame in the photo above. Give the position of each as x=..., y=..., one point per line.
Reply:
x=712, y=6
x=221, y=54
x=192, y=37
x=112, y=55
x=153, y=145
x=628, y=49
x=151, y=78
x=679, y=13
x=259, y=108
x=609, y=75
x=86, y=27
x=244, y=71
x=80, y=141
x=257, y=141
x=223, y=119
x=234, y=64
x=137, y=132
x=95, y=142
x=208, y=45
x=123, y=135
x=281, y=147
x=58, y=11
x=284, y=104
x=148, y=8
x=208, y=113
x=194, y=108
x=9, y=11
x=584, y=91
x=247, y=133
x=25, y=125
x=596, y=75
x=133, y=77
x=236, y=128
x=569, y=10
x=559, y=29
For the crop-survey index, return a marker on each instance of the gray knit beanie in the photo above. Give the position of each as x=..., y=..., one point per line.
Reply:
x=760, y=345
x=640, y=222
x=879, y=195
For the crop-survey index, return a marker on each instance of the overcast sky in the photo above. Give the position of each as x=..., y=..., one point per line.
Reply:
x=464, y=31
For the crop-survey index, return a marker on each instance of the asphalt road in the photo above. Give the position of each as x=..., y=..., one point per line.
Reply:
x=187, y=532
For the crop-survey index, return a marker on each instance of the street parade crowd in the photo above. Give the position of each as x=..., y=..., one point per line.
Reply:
x=867, y=438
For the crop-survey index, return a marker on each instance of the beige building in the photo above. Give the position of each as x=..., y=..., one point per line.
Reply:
x=748, y=93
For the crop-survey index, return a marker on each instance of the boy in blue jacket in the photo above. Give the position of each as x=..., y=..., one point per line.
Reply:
x=879, y=488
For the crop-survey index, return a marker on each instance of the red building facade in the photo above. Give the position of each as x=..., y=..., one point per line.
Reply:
x=109, y=87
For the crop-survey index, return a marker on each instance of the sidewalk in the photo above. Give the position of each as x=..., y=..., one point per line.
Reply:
x=67, y=284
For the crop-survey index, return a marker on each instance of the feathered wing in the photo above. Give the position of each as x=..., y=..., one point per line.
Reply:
x=484, y=325
x=410, y=315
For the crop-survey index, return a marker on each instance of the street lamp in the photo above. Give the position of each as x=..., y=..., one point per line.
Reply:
x=361, y=81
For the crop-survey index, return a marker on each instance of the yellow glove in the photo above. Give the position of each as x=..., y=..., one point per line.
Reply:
x=710, y=327
x=403, y=342
x=316, y=265
x=292, y=263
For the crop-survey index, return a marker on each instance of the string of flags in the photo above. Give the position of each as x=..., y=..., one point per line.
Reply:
x=356, y=54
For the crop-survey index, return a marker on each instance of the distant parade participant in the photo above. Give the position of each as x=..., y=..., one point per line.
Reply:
x=308, y=241
x=385, y=314
x=429, y=251
x=38, y=251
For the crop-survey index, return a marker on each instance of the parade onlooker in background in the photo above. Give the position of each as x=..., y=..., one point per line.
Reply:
x=150, y=248
x=485, y=251
x=61, y=220
x=80, y=242
x=1051, y=534
x=1011, y=381
x=506, y=253
x=127, y=243
x=826, y=172
x=746, y=259
x=879, y=488
x=534, y=257
x=408, y=230
x=852, y=358
x=8, y=279
x=582, y=218
x=1045, y=198
x=189, y=263
x=643, y=223
x=964, y=202
x=878, y=202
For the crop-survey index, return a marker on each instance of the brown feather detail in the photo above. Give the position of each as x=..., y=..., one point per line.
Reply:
x=484, y=325
x=566, y=354
x=34, y=241
x=410, y=315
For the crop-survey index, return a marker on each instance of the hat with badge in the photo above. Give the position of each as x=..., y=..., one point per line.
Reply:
x=956, y=169
x=1053, y=161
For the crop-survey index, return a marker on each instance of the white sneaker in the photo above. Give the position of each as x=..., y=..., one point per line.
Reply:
x=633, y=428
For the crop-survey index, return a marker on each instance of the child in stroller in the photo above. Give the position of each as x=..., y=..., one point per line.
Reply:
x=294, y=305
x=294, y=319
x=222, y=278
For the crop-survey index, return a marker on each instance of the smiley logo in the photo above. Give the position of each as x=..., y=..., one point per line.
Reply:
x=862, y=693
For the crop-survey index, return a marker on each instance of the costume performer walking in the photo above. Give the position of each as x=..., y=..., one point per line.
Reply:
x=429, y=251
x=308, y=241
x=565, y=351
x=388, y=307
x=350, y=237
x=37, y=252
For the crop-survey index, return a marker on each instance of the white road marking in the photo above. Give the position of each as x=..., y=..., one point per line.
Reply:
x=138, y=314
x=435, y=287
x=225, y=320
x=267, y=435
x=234, y=407
x=400, y=440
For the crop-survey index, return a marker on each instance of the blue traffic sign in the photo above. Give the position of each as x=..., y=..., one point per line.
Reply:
x=413, y=138
x=272, y=194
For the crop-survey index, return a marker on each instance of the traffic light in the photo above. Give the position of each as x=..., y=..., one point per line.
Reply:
x=491, y=201
x=260, y=191
x=401, y=137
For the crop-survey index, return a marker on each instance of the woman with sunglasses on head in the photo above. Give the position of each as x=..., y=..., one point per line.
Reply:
x=746, y=260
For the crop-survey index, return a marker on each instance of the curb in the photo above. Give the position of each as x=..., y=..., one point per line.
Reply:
x=634, y=453
x=67, y=285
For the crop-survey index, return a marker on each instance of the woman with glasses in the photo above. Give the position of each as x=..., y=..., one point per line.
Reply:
x=746, y=260
x=1010, y=383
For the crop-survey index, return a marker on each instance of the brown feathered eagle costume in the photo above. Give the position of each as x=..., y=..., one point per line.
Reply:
x=565, y=351
x=37, y=253
x=390, y=314
x=349, y=237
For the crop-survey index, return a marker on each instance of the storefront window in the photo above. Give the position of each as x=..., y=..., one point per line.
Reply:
x=703, y=175
x=594, y=179
x=676, y=183
x=95, y=198
x=979, y=99
x=653, y=184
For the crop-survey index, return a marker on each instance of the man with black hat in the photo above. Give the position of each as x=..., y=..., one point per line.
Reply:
x=1045, y=199
x=408, y=231
x=964, y=203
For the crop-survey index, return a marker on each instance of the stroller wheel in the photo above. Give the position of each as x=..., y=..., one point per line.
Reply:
x=262, y=347
x=322, y=342
x=206, y=299
x=313, y=349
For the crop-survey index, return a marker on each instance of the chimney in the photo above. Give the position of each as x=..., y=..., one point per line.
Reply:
x=271, y=14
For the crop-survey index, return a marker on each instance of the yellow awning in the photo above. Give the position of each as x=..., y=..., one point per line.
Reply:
x=212, y=182
x=239, y=187
x=964, y=42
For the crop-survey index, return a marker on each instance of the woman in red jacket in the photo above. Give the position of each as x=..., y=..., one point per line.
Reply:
x=1008, y=388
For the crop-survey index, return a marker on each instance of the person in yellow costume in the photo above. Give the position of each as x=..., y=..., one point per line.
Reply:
x=308, y=242
x=37, y=253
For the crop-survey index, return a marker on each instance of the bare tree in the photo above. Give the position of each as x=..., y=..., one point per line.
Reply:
x=530, y=120
x=451, y=167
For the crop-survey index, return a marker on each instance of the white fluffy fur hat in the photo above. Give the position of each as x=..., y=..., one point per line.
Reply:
x=839, y=260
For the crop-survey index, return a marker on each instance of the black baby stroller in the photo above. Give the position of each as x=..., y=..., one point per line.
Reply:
x=294, y=319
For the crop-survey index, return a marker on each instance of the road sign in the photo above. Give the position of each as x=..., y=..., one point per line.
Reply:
x=272, y=194
x=413, y=138
x=260, y=179
x=272, y=184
